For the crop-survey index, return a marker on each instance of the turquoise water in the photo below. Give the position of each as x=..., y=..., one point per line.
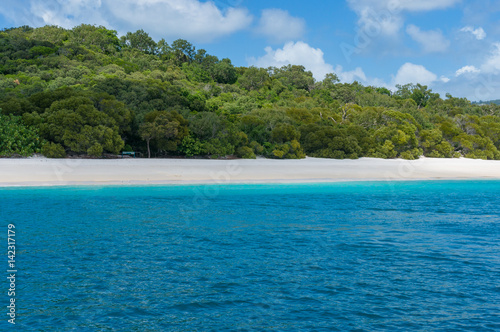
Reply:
x=322, y=257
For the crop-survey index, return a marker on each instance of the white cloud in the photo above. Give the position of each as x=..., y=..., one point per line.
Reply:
x=295, y=53
x=444, y=79
x=411, y=73
x=350, y=76
x=69, y=13
x=385, y=17
x=422, y=5
x=431, y=41
x=475, y=82
x=403, y=5
x=189, y=19
x=466, y=69
x=300, y=53
x=492, y=63
x=476, y=87
x=376, y=18
x=478, y=33
x=280, y=26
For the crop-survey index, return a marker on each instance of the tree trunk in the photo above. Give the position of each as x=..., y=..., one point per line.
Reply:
x=149, y=151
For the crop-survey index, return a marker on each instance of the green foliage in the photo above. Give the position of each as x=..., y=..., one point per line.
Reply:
x=411, y=154
x=16, y=138
x=127, y=148
x=191, y=146
x=53, y=150
x=86, y=91
x=288, y=150
x=254, y=78
x=434, y=145
x=78, y=126
x=245, y=152
x=330, y=142
x=283, y=133
x=166, y=130
x=182, y=51
x=294, y=76
x=95, y=150
x=216, y=148
x=140, y=40
x=419, y=93
x=96, y=38
x=224, y=72
x=256, y=148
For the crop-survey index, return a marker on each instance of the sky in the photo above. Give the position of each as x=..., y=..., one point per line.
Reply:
x=452, y=46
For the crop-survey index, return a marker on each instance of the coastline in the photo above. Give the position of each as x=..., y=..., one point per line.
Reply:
x=74, y=172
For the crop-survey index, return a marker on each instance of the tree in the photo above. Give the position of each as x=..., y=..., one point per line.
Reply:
x=78, y=126
x=224, y=72
x=147, y=132
x=284, y=132
x=140, y=40
x=254, y=78
x=95, y=37
x=182, y=51
x=295, y=76
x=50, y=33
x=85, y=92
x=165, y=129
x=163, y=49
x=330, y=80
x=419, y=93
x=205, y=125
x=16, y=138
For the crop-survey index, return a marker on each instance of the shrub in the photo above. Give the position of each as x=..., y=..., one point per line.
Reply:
x=95, y=150
x=245, y=152
x=127, y=148
x=53, y=150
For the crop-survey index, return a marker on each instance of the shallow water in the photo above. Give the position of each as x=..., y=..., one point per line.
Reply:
x=313, y=257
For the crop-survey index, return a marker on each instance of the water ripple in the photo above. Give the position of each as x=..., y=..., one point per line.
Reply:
x=331, y=257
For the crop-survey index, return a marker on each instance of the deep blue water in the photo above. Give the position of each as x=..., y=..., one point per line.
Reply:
x=321, y=257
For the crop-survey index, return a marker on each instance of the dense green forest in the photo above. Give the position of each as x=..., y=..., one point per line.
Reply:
x=87, y=92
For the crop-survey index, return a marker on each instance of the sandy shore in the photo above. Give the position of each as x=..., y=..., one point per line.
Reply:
x=42, y=172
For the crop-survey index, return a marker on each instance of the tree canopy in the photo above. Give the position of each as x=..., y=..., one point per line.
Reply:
x=86, y=91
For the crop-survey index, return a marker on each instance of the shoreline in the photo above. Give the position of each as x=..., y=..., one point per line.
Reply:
x=43, y=172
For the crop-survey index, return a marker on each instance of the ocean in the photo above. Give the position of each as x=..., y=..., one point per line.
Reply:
x=352, y=256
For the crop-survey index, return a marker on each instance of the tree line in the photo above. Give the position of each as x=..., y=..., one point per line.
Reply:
x=87, y=92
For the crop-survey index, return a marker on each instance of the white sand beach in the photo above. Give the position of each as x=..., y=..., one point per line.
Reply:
x=49, y=172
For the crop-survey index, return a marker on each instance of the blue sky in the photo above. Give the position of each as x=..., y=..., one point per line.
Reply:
x=450, y=45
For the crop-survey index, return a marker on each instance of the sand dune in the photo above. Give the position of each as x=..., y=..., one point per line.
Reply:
x=42, y=171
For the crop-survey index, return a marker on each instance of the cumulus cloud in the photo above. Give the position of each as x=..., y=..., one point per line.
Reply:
x=295, y=53
x=376, y=17
x=386, y=16
x=475, y=87
x=492, y=63
x=478, y=33
x=350, y=76
x=189, y=19
x=432, y=41
x=466, y=69
x=52, y=12
x=69, y=13
x=279, y=26
x=411, y=73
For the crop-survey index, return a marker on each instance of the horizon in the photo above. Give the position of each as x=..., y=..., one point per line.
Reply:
x=451, y=46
